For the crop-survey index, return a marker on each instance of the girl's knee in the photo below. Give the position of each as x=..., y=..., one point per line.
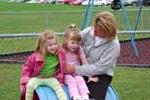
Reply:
x=69, y=79
x=31, y=84
x=79, y=78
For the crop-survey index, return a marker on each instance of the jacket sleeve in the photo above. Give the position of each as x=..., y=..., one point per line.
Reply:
x=106, y=61
x=59, y=75
x=60, y=70
x=27, y=70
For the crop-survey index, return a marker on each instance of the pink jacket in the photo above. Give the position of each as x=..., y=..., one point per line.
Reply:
x=34, y=65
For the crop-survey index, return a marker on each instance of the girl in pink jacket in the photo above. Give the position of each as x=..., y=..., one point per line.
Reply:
x=43, y=67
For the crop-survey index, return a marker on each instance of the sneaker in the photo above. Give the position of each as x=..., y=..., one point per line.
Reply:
x=77, y=98
x=85, y=97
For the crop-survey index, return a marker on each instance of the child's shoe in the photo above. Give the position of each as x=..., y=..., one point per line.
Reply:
x=85, y=97
x=77, y=98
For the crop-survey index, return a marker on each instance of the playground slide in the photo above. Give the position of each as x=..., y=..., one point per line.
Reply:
x=46, y=93
x=111, y=94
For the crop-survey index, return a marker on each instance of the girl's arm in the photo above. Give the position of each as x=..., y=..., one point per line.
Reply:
x=60, y=70
x=27, y=70
x=82, y=56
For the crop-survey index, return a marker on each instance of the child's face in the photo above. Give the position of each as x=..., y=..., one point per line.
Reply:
x=52, y=46
x=73, y=45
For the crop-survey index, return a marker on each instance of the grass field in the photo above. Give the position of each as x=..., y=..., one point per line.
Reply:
x=27, y=18
x=130, y=83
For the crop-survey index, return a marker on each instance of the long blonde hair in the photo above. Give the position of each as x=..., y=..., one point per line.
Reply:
x=42, y=42
x=107, y=23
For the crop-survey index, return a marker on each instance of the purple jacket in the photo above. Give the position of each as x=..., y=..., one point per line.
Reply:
x=33, y=66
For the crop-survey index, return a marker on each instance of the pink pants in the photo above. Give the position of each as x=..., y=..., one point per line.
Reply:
x=76, y=85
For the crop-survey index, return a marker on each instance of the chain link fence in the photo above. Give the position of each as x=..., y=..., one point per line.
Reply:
x=19, y=31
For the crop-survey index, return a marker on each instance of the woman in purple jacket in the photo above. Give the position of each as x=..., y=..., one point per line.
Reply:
x=43, y=67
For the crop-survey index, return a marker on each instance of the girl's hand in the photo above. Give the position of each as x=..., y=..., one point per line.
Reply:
x=23, y=88
x=57, y=51
x=69, y=68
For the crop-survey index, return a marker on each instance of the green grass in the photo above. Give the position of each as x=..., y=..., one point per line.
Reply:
x=18, y=7
x=36, y=22
x=130, y=83
x=56, y=20
x=9, y=82
x=17, y=45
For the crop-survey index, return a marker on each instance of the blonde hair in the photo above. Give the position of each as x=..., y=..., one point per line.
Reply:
x=107, y=24
x=42, y=42
x=71, y=33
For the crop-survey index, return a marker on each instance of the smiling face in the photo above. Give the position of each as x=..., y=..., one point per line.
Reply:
x=72, y=45
x=52, y=46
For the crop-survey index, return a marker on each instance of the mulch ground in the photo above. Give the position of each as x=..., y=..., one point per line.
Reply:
x=127, y=56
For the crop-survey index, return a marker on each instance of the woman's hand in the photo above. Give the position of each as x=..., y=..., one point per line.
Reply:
x=69, y=68
x=93, y=79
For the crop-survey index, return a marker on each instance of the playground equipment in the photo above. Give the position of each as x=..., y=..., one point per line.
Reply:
x=46, y=93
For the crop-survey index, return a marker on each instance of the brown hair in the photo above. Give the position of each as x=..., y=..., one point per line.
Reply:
x=42, y=42
x=106, y=22
x=71, y=33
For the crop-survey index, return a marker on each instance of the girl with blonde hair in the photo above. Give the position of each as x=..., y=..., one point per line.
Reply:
x=43, y=67
x=74, y=55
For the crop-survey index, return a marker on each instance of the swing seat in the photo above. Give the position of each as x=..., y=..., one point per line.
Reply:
x=46, y=93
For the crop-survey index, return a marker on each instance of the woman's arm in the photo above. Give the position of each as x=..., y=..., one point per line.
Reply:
x=106, y=61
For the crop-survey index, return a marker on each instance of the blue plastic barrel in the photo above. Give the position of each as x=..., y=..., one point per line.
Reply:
x=46, y=93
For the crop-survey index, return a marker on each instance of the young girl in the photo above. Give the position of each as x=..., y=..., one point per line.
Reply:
x=41, y=67
x=74, y=55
